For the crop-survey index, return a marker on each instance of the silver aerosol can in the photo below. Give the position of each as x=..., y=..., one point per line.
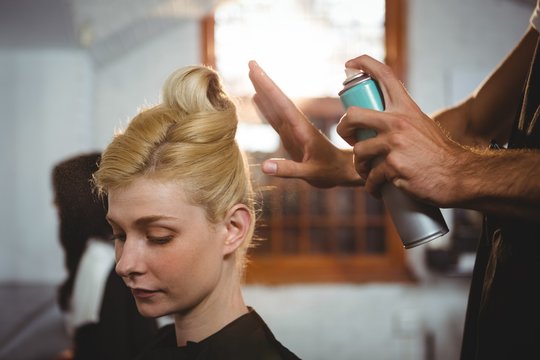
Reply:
x=416, y=222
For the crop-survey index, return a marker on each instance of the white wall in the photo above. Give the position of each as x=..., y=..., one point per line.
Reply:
x=56, y=103
x=135, y=79
x=46, y=114
x=458, y=40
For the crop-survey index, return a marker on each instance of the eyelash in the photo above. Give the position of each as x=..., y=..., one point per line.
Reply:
x=154, y=239
x=160, y=240
x=118, y=237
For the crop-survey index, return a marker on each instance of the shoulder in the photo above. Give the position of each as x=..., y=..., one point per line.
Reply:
x=279, y=351
x=248, y=337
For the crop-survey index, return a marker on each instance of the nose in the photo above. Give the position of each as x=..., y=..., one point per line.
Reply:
x=129, y=258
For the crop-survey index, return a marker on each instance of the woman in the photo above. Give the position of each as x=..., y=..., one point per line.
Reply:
x=101, y=316
x=182, y=211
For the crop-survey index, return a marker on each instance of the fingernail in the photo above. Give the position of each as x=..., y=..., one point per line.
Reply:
x=269, y=167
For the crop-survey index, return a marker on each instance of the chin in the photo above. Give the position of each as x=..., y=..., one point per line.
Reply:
x=151, y=311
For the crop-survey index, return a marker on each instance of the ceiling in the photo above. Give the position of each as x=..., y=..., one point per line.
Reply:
x=105, y=27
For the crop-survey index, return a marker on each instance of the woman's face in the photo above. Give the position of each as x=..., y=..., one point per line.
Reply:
x=166, y=251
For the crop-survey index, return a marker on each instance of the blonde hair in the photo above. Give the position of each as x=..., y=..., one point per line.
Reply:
x=189, y=137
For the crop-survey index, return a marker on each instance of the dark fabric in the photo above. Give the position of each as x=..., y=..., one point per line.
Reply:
x=248, y=337
x=121, y=333
x=503, y=314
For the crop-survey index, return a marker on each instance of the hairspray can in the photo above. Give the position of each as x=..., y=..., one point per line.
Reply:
x=416, y=222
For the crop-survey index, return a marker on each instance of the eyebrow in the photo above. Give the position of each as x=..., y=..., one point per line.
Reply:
x=146, y=220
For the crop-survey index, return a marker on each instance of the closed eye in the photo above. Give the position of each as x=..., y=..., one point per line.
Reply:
x=118, y=237
x=160, y=240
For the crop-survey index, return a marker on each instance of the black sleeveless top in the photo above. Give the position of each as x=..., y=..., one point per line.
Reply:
x=503, y=314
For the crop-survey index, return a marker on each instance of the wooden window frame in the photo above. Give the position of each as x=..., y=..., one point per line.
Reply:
x=278, y=268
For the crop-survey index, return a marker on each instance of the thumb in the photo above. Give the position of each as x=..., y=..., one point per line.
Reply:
x=281, y=168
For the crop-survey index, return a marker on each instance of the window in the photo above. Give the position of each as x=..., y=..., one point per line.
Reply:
x=309, y=234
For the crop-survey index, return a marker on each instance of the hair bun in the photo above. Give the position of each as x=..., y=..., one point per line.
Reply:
x=194, y=89
x=204, y=112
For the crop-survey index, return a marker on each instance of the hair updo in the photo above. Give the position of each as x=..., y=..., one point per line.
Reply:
x=189, y=137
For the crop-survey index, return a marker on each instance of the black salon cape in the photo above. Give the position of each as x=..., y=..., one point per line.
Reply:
x=503, y=313
x=247, y=337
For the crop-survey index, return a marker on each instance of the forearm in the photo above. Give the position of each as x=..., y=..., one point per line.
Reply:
x=489, y=112
x=500, y=182
x=456, y=123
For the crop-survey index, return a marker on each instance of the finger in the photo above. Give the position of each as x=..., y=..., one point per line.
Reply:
x=283, y=128
x=266, y=111
x=283, y=168
x=376, y=179
x=362, y=168
x=276, y=117
x=278, y=105
x=263, y=84
x=368, y=155
x=356, y=119
x=373, y=188
x=265, y=91
x=279, y=110
x=343, y=129
x=368, y=150
x=391, y=87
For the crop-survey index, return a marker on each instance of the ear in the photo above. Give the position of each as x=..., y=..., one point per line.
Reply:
x=237, y=222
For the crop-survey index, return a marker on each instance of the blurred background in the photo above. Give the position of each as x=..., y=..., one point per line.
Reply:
x=330, y=276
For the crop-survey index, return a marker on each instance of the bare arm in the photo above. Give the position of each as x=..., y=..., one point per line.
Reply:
x=488, y=113
x=502, y=183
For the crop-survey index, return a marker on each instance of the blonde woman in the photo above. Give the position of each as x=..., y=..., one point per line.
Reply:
x=180, y=203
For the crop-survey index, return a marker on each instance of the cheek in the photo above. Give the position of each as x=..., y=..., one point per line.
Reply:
x=118, y=248
x=200, y=260
x=175, y=263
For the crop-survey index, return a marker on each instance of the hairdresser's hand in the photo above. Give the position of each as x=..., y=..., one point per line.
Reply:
x=411, y=150
x=314, y=158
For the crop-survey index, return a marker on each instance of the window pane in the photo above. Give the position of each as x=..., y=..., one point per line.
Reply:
x=290, y=240
x=345, y=243
x=261, y=243
x=373, y=206
x=317, y=201
x=290, y=201
x=375, y=243
x=345, y=204
x=303, y=44
x=318, y=238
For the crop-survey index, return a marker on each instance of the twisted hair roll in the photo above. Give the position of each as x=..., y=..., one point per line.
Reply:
x=189, y=137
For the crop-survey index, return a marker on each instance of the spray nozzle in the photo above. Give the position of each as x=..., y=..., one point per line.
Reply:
x=350, y=72
x=353, y=74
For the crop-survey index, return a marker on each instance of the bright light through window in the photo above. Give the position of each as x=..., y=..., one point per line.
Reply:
x=302, y=44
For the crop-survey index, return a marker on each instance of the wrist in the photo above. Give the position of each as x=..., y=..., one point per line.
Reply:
x=488, y=182
x=349, y=176
x=470, y=178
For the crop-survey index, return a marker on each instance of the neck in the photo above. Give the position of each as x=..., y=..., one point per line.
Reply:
x=210, y=316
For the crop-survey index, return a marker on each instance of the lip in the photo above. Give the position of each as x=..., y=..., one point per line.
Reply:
x=144, y=293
